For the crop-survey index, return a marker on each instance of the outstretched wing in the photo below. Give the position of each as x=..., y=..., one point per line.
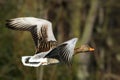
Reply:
x=63, y=52
x=40, y=29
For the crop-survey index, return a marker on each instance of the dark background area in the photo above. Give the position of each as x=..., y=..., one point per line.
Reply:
x=95, y=22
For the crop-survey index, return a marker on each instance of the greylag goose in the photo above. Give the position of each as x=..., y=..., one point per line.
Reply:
x=47, y=51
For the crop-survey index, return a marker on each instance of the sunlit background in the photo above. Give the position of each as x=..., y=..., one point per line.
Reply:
x=94, y=22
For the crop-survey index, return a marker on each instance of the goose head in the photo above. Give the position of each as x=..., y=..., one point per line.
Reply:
x=83, y=49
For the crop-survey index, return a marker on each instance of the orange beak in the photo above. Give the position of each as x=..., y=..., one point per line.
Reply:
x=91, y=49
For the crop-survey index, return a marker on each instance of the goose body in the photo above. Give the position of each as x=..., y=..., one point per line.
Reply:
x=61, y=53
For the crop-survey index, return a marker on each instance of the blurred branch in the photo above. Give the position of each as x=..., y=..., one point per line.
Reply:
x=40, y=72
x=90, y=22
x=84, y=59
x=76, y=18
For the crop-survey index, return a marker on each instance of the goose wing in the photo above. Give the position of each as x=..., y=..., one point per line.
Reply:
x=40, y=29
x=64, y=51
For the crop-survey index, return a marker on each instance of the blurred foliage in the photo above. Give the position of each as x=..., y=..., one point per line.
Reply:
x=70, y=18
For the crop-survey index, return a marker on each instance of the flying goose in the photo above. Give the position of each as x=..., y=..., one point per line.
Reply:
x=47, y=51
x=61, y=53
x=40, y=29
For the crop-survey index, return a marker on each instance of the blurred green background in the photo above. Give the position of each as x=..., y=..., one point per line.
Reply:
x=95, y=22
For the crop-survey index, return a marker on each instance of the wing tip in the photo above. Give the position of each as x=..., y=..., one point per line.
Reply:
x=8, y=23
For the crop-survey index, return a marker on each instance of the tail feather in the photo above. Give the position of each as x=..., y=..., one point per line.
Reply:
x=25, y=61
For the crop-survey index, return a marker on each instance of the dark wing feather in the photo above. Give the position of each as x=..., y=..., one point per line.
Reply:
x=17, y=25
x=55, y=52
x=35, y=36
x=65, y=55
x=62, y=53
